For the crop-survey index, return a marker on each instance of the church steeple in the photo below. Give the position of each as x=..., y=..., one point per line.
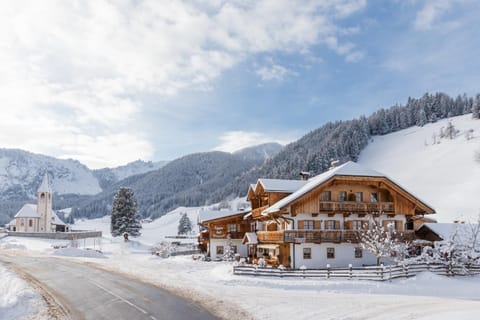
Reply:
x=45, y=186
x=44, y=204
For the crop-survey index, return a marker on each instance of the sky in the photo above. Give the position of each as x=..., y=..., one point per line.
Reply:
x=110, y=82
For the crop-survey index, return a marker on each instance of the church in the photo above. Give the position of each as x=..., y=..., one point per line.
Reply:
x=39, y=217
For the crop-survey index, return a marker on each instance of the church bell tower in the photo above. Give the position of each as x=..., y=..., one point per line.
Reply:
x=44, y=205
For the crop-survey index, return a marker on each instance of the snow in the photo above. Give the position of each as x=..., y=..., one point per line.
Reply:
x=28, y=211
x=76, y=252
x=280, y=185
x=206, y=215
x=213, y=285
x=18, y=300
x=445, y=174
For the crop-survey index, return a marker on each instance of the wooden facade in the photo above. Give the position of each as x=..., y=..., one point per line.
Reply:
x=295, y=220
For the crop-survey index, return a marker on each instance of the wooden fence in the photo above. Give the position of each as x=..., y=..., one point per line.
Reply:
x=378, y=273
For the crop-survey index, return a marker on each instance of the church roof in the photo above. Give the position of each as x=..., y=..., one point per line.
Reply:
x=28, y=211
x=56, y=220
x=45, y=185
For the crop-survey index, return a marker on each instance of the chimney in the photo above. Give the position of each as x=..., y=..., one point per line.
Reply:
x=304, y=175
x=333, y=164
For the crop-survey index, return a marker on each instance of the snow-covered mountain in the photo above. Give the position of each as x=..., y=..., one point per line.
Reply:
x=261, y=152
x=107, y=176
x=443, y=172
x=21, y=173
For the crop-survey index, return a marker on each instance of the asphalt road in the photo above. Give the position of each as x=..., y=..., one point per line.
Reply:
x=89, y=293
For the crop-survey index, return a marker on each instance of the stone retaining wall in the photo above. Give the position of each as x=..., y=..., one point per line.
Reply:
x=58, y=235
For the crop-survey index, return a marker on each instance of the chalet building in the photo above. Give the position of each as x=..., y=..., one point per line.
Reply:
x=38, y=217
x=316, y=222
x=219, y=228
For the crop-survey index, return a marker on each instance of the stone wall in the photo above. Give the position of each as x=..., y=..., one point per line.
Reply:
x=58, y=235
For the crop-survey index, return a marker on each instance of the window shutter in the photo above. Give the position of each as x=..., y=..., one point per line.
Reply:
x=318, y=224
x=398, y=225
x=300, y=225
x=348, y=225
x=337, y=224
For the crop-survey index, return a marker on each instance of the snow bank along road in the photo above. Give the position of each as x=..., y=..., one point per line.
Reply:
x=88, y=293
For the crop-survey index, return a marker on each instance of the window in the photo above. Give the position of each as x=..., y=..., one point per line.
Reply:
x=332, y=224
x=358, y=252
x=309, y=224
x=358, y=225
x=342, y=196
x=22, y=222
x=219, y=249
x=330, y=253
x=30, y=223
x=358, y=197
x=232, y=227
x=307, y=253
x=326, y=196
x=253, y=227
x=373, y=197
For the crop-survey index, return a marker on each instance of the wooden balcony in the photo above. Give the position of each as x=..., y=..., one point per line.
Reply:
x=352, y=206
x=320, y=236
x=258, y=211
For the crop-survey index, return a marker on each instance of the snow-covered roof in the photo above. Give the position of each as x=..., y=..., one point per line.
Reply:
x=45, y=185
x=11, y=223
x=281, y=185
x=347, y=169
x=250, y=238
x=446, y=230
x=56, y=220
x=205, y=215
x=28, y=211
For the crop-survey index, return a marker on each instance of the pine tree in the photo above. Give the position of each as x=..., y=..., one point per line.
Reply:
x=184, y=225
x=476, y=108
x=124, y=216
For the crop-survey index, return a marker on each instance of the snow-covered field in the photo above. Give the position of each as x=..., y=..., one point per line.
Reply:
x=18, y=300
x=426, y=296
x=444, y=174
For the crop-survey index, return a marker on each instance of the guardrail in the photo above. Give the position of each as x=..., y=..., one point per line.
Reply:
x=376, y=273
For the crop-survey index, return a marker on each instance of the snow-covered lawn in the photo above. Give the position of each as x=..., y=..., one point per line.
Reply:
x=18, y=300
x=426, y=296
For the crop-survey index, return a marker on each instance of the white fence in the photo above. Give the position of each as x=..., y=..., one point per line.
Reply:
x=379, y=273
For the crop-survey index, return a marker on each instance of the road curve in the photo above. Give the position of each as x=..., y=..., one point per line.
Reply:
x=85, y=292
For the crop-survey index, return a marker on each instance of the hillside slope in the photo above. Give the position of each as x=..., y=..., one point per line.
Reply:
x=443, y=172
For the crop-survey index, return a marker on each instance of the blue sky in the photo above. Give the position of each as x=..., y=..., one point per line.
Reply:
x=109, y=83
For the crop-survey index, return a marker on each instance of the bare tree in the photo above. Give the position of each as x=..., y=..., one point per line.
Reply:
x=379, y=240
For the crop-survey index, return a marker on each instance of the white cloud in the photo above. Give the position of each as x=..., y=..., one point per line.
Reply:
x=346, y=49
x=274, y=72
x=79, y=69
x=232, y=141
x=433, y=10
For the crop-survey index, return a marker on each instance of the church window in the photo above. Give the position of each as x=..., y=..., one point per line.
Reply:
x=30, y=223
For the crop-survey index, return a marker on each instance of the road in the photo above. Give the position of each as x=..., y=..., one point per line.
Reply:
x=85, y=292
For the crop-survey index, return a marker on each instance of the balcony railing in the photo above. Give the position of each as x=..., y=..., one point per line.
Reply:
x=352, y=206
x=319, y=236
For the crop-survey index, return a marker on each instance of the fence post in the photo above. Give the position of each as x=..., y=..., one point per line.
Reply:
x=381, y=271
x=328, y=271
x=390, y=276
x=406, y=269
x=350, y=266
x=256, y=270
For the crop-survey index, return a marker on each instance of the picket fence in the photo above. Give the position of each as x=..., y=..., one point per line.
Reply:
x=377, y=273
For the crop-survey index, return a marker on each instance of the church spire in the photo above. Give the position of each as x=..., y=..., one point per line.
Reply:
x=45, y=186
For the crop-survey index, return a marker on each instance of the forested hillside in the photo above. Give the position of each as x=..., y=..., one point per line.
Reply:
x=192, y=180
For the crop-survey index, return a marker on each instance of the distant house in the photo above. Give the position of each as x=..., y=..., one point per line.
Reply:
x=442, y=231
x=317, y=222
x=38, y=217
